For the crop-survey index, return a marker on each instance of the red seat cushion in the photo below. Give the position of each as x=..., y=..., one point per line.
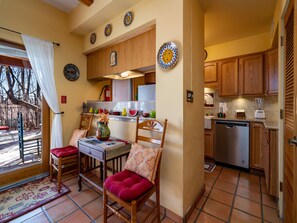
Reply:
x=127, y=185
x=64, y=151
x=4, y=127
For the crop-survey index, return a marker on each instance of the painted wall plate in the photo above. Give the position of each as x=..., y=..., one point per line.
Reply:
x=167, y=55
x=108, y=30
x=128, y=18
x=93, y=38
x=71, y=72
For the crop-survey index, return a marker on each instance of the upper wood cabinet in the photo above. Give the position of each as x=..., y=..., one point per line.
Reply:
x=271, y=72
x=150, y=78
x=228, y=77
x=132, y=54
x=251, y=76
x=210, y=72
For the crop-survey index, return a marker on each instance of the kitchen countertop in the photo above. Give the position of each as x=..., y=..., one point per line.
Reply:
x=269, y=124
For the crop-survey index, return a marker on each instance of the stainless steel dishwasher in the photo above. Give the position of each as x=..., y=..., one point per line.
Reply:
x=232, y=143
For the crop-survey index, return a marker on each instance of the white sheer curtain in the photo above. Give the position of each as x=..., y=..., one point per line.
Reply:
x=41, y=57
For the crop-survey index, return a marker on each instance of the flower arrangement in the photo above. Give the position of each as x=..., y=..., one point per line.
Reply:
x=103, y=118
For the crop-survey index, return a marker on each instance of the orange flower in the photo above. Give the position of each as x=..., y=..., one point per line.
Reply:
x=103, y=118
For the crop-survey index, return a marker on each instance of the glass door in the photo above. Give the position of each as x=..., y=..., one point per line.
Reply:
x=24, y=118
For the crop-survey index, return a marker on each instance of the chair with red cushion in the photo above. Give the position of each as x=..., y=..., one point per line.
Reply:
x=131, y=188
x=64, y=160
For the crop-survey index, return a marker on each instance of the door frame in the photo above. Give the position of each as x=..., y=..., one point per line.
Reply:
x=281, y=86
x=15, y=176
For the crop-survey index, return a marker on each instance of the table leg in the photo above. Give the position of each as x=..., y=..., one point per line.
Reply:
x=101, y=171
x=79, y=170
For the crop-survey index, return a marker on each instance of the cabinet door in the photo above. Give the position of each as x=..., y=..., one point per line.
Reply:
x=255, y=146
x=210, y=72
x=251, y=77
x=273, y=168
x=228, y=77
x=265, y=159
x=271, y=72
x=208, y=143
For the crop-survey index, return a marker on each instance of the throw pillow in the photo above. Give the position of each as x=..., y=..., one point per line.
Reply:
x=77, y=134
x=143, y=161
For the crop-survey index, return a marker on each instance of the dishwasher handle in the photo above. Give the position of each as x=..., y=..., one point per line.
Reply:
x=230, y=127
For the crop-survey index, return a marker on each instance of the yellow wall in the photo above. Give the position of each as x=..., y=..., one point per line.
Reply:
x=193, y=149
x=170, y=94
x=35, y=18
x=252, y=44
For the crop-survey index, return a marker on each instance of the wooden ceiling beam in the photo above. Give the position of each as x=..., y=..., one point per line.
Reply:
x=87, y=2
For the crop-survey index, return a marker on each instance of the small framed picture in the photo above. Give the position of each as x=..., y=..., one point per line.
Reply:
x=113, y=58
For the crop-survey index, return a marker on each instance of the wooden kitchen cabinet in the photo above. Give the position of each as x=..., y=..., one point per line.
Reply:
x=255, y=145
x=264, y=154
x=210, y=72
x=135, y=53
x=208, y=143
x=270, y=160
x=251, y=74
x=228, y=77
x=211, y=75
x=150, y=78
x=271, y=72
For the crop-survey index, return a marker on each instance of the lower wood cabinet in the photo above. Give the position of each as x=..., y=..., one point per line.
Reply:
x=264, y=154
x=255, y=145
x=271, y=160
x=208, y=143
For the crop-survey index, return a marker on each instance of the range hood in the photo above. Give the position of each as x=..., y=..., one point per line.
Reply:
x=124, y=75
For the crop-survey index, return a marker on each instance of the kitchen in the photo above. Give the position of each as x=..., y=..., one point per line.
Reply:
x=255, y=58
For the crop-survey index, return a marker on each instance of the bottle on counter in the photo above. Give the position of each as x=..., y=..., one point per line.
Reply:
x=124, y=112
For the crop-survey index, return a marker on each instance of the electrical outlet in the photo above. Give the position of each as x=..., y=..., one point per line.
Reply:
x=190, y=96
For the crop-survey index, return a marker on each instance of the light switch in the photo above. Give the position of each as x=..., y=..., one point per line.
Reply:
x=189, y=96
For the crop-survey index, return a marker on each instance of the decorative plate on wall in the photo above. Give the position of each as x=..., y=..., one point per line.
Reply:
x=108, y=30
x=71, y=72
x=128, y=18
x=167, y=55
x=205, y=54
x=93, y=38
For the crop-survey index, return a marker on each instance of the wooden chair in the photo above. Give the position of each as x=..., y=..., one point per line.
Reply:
x=27, y=146
x=130, y=190
x=65, y=160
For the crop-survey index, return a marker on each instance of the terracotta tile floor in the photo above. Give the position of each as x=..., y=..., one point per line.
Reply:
x=230, y=196
x=235, y=196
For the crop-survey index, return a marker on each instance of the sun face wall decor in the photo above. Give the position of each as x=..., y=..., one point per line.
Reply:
x=167, y=55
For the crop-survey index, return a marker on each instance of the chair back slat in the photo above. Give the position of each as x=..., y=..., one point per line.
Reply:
x=153, y=126
x=86, y=121
x=150, y=140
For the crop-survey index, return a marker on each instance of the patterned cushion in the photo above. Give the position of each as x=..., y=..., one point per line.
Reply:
x=64, y=151
x=143, y=161
x=77, y=134
x=127, y=185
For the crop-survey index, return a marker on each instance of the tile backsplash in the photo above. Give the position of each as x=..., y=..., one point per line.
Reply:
x=270, y=105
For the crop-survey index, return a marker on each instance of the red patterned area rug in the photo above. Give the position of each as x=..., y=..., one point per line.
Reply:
x=22, y=199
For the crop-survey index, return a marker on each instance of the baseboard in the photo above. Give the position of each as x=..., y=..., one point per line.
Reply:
x=27, y=180
x=193, y=206
x=175, y=217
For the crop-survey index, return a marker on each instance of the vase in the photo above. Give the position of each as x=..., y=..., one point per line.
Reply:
x=103, y=132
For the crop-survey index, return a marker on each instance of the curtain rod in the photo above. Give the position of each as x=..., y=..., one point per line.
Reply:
x=58, y=44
